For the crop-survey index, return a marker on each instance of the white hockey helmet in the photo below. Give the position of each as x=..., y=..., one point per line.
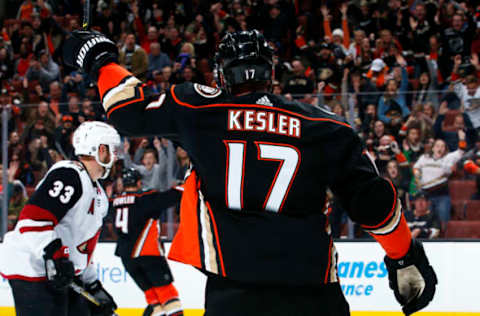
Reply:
x=90, y=135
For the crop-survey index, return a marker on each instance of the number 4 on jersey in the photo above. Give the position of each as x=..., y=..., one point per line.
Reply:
x=121, y=219
x=288, y=157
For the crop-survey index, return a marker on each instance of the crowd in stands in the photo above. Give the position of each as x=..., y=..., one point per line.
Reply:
x=404, y=74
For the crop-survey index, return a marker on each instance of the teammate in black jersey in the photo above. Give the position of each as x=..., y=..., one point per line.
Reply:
x=251, y=215
x=137, y=227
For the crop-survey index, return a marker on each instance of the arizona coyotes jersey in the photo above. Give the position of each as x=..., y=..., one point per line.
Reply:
x=253, y=208
x=66, y=204
x=136, y=222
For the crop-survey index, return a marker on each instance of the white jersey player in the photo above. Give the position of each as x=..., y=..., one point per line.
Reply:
x=58, y=229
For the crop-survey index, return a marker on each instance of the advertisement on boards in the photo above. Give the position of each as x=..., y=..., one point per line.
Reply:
x=361, y=270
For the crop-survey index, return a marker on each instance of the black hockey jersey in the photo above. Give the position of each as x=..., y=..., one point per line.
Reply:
x=253, y=208
x=136, y=222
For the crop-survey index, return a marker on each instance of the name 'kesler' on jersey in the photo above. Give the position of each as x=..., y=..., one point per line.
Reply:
x=263, y=121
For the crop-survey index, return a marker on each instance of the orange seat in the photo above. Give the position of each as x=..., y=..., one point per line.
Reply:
x=461, y=189
x=472, y=210
x=463, y=229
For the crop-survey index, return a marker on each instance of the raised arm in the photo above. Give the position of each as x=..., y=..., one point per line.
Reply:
x=346, y=31
x=132, y=107
x=158, y=202
x=326, y=22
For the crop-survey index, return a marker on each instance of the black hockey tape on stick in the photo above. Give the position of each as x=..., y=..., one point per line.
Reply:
x=86, y=15
x=80, y=290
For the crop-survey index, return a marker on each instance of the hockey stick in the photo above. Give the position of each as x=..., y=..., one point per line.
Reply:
x=86, y=15
x=80, y=290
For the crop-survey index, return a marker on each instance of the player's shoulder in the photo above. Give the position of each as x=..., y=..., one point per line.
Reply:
x=307, y=111
x=68, y=164
x=195, y=94
x=68, y=170
x=60, y=189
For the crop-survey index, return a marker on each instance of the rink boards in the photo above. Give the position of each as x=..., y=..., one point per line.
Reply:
x=361, y=270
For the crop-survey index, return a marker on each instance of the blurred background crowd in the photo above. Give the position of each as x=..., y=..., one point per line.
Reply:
x=404, y=74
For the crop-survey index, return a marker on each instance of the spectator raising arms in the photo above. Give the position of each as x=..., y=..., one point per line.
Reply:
x=432, y=171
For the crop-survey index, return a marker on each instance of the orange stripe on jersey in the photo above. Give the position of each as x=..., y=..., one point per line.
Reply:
x=186, y=244
x=219, y=105
x=141, y=239
x=151, y=246
x=220, y=256
x=151, y=296
x=110, y=76
x=165, y=293
x=396, y=243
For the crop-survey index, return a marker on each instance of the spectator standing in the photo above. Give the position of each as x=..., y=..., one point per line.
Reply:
x=154, y=164
x=412, y=144
x=63, y=135
x=469, y=94
x=449, y=134
x=432, y=171
x=392, y=106
x=45, y=70
x=157, y=60
x=134, y=58
x=400, y=175
x=378, y=73
x=427, y=89
x=457, y=39
x=42, y=112
x=297, y=83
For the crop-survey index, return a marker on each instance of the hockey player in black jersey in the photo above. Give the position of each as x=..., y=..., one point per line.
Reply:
x=250, y=216
x=57, y=231
x=136, y=212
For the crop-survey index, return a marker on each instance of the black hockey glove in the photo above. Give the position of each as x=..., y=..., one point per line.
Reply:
x=412, y=279
x=89, y=51
x=107, y=304
x=59, y=269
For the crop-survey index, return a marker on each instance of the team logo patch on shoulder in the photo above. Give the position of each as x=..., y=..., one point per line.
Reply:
x=206, y=91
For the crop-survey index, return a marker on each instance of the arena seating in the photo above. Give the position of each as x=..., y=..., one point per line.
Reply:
x=463, y=229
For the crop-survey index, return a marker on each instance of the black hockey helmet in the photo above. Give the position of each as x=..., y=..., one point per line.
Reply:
x=244, y=56
x=130, y=176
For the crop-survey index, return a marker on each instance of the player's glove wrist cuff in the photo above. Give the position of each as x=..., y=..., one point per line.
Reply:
x=414, y=255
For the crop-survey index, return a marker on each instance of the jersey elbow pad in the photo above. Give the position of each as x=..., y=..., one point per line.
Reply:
x=374, y=203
